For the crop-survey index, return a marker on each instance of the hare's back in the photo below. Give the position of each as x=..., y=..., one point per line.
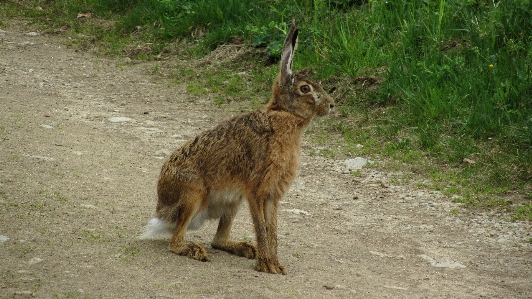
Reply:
x=234, y=148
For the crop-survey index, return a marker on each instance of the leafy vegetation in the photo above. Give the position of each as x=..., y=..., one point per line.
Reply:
x=441, y=87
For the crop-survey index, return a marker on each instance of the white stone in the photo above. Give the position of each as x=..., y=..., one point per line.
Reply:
x=44, y=158
x=119, y=119
x=297, y=212
x=35, y=260
x=356, y=163
x=163, y=152
x=150, y=130
x=442, y=264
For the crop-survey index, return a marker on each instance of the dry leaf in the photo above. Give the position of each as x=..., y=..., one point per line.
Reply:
x=84, y=15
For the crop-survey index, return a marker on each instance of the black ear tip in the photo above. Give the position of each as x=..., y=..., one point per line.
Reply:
x=294, y=39
x=294, y=31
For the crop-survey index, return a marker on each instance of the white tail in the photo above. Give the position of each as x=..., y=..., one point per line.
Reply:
x=157, y=229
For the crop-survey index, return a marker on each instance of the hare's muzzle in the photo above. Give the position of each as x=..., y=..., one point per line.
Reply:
x=329, y=103
x=325, y=106
x=331, y=106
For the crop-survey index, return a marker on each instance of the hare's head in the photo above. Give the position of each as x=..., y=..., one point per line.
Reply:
x=295, y=92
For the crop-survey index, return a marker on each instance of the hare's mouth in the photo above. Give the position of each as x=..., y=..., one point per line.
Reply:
x=324, y=111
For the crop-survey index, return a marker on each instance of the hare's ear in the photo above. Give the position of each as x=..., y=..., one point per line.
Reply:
x=290, y=45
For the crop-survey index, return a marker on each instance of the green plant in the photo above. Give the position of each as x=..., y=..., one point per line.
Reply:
x=219, y=101
x=356, y=173
x=60, y=197
x=271, y=36
x=523, y=212
x=196, y=88
x=128, y=253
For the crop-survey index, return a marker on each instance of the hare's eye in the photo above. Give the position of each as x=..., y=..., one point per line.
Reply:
x=304, y=88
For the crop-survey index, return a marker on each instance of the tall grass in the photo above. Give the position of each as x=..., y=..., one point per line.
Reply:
x=212, y=22
x=465, y=66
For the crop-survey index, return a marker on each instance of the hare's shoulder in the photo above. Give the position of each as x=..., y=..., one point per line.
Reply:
x=256, y=121
x=251, y=125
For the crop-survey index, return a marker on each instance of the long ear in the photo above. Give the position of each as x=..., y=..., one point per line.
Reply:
x=290, y=44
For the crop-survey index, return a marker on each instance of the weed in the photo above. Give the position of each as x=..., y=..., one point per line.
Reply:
x=196, y=89
x=60, y=197
x=38, y=206
x=156, y=70
x=523, y=212
x=92, y=236
x=356, y=173
x=128, y=253
x=293, y=291
x=327, y=152
x=271, y=36
x=497, y=202
x=452, y=190
x=22, y=249
x=219, y=101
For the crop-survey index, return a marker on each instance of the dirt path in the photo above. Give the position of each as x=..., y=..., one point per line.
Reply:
x=81, y=143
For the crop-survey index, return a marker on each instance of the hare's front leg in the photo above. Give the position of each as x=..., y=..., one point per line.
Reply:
x=222, y=239
x=264, y=214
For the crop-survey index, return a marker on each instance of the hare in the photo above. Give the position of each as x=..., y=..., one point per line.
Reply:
x=253, y=157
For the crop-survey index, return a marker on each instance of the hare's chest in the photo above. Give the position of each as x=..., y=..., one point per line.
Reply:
x=287, y=158
x=283, y=171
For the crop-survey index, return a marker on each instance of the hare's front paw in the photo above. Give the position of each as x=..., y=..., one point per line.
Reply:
x=247, y=250
x=237, y=248
x=192, y=250
x=265, y=265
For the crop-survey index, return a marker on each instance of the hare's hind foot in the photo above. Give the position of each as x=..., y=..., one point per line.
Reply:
x=190, y=249
x=265, y=265
x=237, y=248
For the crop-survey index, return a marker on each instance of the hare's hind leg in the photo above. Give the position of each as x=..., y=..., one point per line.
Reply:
x=222, y=239
x=189, y=206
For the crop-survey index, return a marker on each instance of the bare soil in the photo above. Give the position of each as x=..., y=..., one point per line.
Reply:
x=82, y=140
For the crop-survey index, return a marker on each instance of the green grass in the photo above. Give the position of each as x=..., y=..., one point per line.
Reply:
x=523, y=212
x=425, y=84
x=128, y=253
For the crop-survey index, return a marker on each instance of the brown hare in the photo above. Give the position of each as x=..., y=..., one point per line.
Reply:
x=253, y=157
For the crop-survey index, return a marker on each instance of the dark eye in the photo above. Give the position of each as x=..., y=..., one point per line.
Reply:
x=304, y=88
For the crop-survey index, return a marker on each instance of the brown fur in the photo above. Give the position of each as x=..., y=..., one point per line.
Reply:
x=253, y=157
